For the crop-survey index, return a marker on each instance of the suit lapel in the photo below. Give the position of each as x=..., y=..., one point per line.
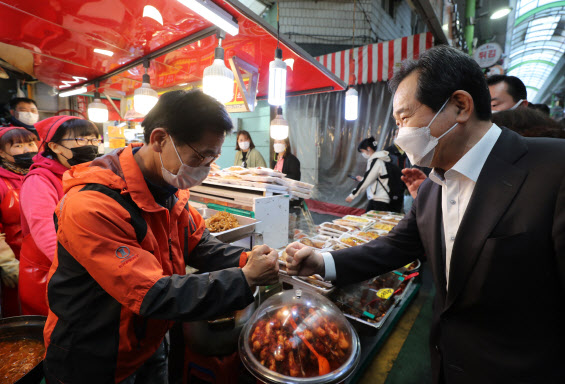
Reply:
x=497, y=185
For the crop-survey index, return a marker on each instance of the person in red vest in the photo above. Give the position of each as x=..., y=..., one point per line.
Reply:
x=65, y=141
x=17, y=148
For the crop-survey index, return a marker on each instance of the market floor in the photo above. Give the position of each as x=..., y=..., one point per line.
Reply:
x=404, y=357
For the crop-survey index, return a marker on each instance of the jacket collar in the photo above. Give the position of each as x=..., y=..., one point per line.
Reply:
x=136, y=185
x=42, y=161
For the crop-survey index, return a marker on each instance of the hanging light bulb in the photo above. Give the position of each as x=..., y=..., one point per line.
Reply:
x=218, y=79
x=279, y=126
x=277, y=80
x=351, y=96
x=97, y=110
x=277, y=74
x=144, y=97
x=351, y=104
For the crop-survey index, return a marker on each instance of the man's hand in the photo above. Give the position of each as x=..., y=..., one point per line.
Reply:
x=262, y=266
x=302, y=260
x=359, y=178
x=413, y=177
x=349, y=199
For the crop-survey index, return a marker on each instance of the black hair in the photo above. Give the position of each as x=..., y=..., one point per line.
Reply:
x=540, y=107
x=515, y=86
x=186, y=115
x=75, y=128
x=14, y=102
x=245, y=133
x=16, y=136
x=442, y=71
x=367, y=143
x=529, y=122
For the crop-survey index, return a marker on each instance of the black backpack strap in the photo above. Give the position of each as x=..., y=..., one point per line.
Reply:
x=137, y=221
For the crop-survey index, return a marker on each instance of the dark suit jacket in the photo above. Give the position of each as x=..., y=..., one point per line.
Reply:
x=503, y=318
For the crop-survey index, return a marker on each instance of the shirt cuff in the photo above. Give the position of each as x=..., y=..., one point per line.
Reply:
x=329, y=265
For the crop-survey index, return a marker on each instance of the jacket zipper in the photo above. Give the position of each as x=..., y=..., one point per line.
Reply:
x=171, y=249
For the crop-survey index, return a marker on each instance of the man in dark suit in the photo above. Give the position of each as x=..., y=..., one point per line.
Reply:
x=490, y=220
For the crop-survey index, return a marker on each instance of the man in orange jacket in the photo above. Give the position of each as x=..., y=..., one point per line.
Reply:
x=125, y=234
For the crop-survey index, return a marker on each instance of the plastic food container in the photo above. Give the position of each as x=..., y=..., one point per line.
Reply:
x=299, y=337
x=359, y=219
x=348, y=224
x=313, y=242
x=351, y=240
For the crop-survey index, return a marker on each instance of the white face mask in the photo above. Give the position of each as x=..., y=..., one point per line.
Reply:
x=244, y=145
x=365, y=155
x=186, y=177
x=28, y=118
x=514, y=107
x=418, y=143
x=279, y=147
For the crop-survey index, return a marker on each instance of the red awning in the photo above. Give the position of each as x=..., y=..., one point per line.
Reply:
x=62, y=35
x=376, y=62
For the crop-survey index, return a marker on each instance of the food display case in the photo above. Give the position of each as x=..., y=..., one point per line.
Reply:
x=299, y=337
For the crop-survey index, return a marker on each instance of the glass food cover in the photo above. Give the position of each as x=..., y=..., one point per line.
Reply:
x=299, y=337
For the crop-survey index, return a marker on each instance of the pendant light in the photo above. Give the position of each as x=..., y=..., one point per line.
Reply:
x=218, y=79
x=277, y=73
x=352, y=96
x=279, y=126
x=144, y=97
x=97, y=110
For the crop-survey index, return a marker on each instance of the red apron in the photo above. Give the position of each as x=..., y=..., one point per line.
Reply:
x=33, y=278
x=11, y=222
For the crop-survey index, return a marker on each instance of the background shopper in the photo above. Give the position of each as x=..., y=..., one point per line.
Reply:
x=65, y=141
x=246, y=155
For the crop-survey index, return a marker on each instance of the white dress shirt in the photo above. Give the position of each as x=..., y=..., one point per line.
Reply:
x=457, y=186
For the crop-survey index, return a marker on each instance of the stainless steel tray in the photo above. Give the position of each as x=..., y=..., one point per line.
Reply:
x=378, y=325
x=246, y=226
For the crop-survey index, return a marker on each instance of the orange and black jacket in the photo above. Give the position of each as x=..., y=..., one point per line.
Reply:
x=118, y=279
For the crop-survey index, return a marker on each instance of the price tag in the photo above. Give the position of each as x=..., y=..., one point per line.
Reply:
x=385, y=293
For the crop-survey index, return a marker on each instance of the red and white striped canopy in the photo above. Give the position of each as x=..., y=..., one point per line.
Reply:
x=376, y=62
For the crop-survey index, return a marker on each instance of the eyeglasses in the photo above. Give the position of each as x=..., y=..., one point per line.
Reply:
x=81, y=141
x=204, y=159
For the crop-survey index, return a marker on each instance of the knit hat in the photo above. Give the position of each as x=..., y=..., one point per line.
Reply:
x=46, y=128
x=4, y=130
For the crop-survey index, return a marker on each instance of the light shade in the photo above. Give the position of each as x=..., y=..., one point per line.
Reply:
x=500, y=13
x=277, y=80
x=214, y=14
x=218, y=79
x=279, y=126
x=144, y=98
x=98, y=111
x=351, y=104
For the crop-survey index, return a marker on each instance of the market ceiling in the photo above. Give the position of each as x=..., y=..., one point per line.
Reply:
x=55, y=41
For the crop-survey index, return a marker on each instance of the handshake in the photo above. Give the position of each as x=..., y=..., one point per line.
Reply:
x=262, y=266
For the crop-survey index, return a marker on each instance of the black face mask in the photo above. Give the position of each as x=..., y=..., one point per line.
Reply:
x=24, y=160
x=83, y=154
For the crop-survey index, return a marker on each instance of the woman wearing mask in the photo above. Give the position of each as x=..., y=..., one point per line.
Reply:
x=246, y=155
x=17, y=148
x=373, y=181
x=65, y=141
x=285, y=161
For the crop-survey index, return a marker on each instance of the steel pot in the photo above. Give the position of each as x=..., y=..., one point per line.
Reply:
x=25, y=327
x=218, y=337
